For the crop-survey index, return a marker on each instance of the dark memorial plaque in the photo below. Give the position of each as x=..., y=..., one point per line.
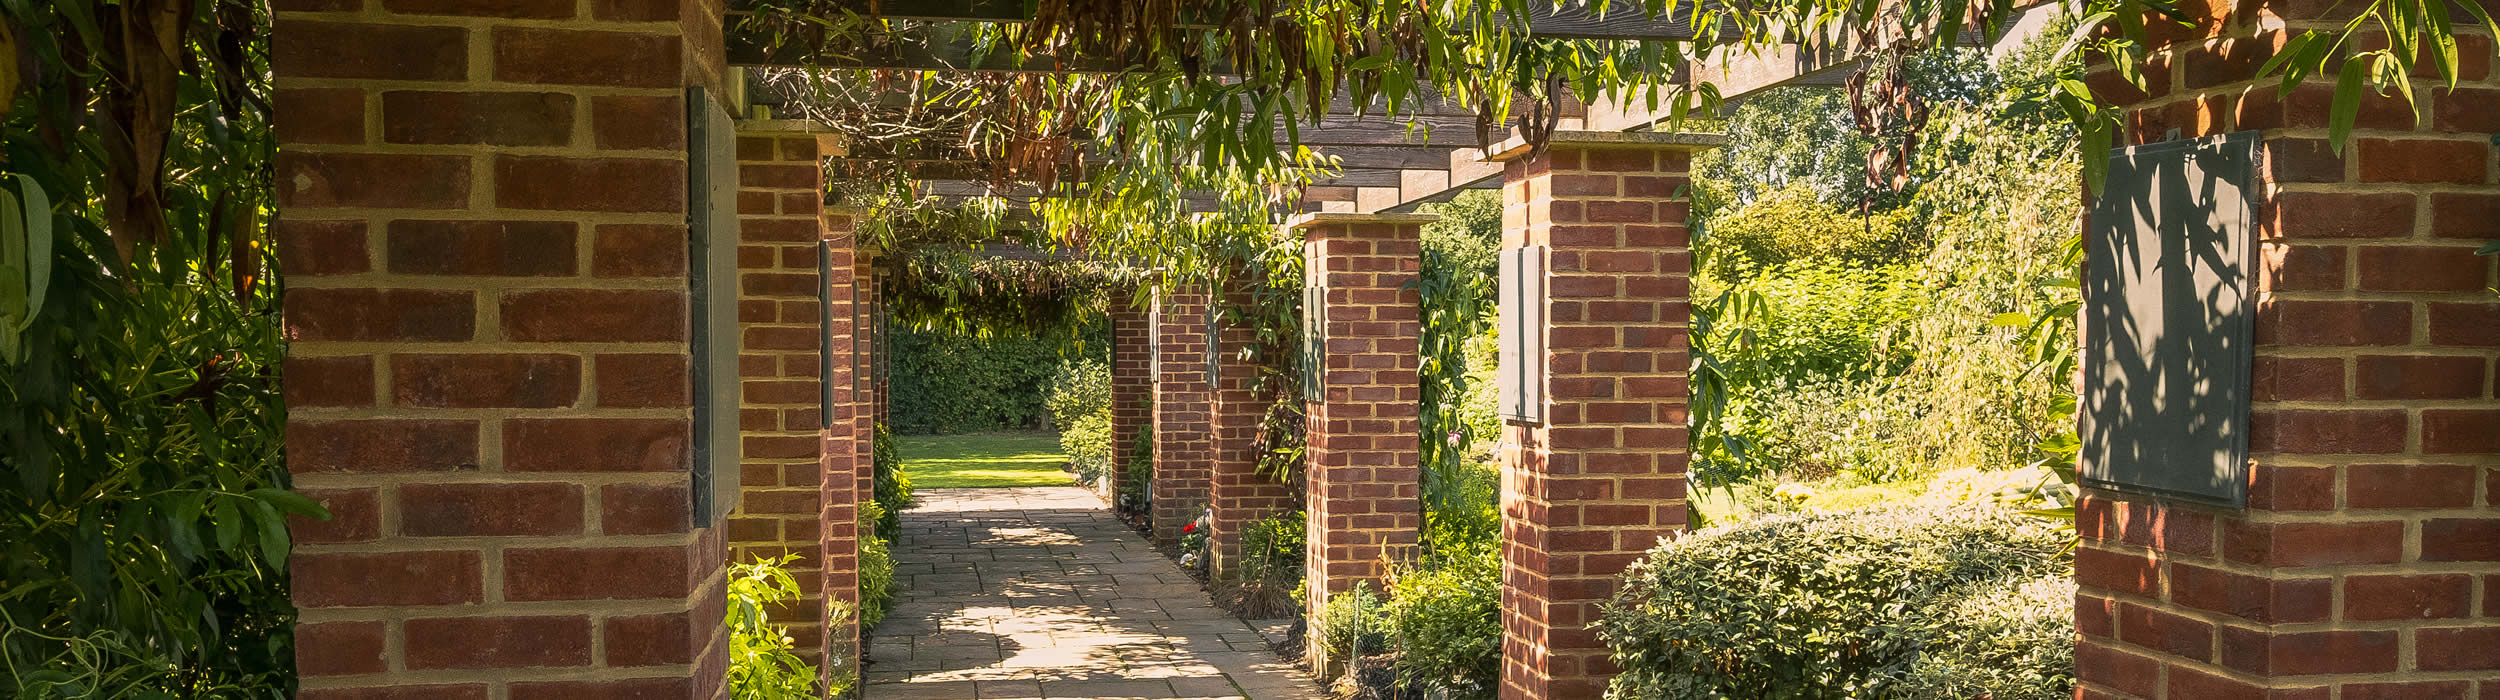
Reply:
x=712, y=285
x=2168, y=315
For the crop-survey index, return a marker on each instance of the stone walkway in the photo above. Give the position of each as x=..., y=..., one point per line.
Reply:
x=1039, y=593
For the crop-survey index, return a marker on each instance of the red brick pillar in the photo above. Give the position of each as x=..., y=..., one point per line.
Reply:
x=483, y=214
x=1602, y=478
x=1182, y=433
x=1366, y=488
x=1240, y=494
x=2367, y=560
x=1132, y=389
x=844, y=438
x=780, y=230
x=864, y=371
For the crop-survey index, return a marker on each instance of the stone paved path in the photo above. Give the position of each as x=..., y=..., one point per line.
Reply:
x=1040, y=593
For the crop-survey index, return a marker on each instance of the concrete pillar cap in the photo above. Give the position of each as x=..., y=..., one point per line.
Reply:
x=1516, y=147
x=1323, y=218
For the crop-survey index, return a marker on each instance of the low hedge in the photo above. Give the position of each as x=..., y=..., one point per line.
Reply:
x=1922, y=601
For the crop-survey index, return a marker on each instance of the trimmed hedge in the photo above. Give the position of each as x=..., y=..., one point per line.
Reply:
x=1890, y=602
x=947, y=383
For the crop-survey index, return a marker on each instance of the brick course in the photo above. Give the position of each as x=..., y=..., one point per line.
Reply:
x=486, y=363
x=1183, y=408
x=1602, y=479
x=1239, y=493
x=1364, y=458
x=2356, y=569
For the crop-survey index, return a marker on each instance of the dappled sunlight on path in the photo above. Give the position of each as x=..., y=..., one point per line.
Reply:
x=1039, y=593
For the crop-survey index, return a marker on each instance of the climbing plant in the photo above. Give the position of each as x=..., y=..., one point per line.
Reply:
x=143, y=533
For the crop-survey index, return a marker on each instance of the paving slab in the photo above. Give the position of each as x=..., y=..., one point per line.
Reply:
x=1038, y=593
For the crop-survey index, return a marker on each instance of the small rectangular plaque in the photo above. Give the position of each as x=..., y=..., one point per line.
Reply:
x=1520, y=380
x=2168, y=321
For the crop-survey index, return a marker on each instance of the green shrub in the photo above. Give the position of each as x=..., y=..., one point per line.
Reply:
x=1795, y=224
x=1446, y=622
x=1080, y=408
x=1353, y=623
x=1827, y=605
x=2005, y=644
x=876, y=569
x=892, y=487
x=1276, y=547
x=945, y=383
x=764, y=664
x=1800, y=353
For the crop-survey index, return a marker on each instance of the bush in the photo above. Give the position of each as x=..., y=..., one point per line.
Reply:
x=1276, y=547
x=1080, y=407
x=763, y=661
x=1353, y=623
x=892, y=487
x=1446, y=620
x=876, y=569
x=1826, y=605
x=2006, y=644
x=945, y=383
x=1803, y=355
x=1794, y=224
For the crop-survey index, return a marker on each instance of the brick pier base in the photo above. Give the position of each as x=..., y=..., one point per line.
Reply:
x=1132, y=390
x=484, y=226
x=1366, y=509
x=1183, y=408
x=1240, y=494
x=2367, y=563
x=1602, y=479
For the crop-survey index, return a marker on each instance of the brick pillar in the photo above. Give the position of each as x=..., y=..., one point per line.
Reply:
x=780, y=230
x=1240, y=494
x=1182, y=434
x=1366, y=487
x=1584, y=492
x=2372, y=529
x=844, y=438
x=863, y=368
x=1132, y=388
x=484, y=221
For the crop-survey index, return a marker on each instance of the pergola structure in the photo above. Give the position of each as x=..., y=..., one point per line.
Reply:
x=522, y=233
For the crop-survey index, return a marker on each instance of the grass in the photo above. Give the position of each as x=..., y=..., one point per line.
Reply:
x=983, y=460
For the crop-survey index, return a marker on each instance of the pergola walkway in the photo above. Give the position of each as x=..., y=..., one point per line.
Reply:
x=1040, y=593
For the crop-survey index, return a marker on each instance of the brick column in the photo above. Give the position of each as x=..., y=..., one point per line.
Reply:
x=1366, y=488
x=1182, y=433
x=1240, y=494
x=1586, y=491
x=780, y=230
x=863, y=371
x=844, y=438
x=2367, y=561
x=1132, y=388
x=484, y=223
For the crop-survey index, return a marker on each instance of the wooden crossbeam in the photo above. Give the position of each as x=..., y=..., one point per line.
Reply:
x=1574, y=19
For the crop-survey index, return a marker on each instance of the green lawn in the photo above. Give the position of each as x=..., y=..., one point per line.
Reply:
x=982, y=460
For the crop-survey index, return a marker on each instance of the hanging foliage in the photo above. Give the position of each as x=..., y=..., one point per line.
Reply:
x=142, y=501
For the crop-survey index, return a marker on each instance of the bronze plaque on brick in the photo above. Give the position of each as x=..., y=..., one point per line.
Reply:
x=2168, y=318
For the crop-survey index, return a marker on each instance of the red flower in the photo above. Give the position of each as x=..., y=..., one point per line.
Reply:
x=1192, y=527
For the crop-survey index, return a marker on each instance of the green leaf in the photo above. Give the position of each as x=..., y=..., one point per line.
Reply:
x=2492, y=248
x=2010, y=319
x=290, y=502
x=273, y=537
x=229, y=524
x=2347, y=103
x=1369, y=63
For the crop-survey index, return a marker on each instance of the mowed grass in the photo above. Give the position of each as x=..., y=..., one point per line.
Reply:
x=983, y=460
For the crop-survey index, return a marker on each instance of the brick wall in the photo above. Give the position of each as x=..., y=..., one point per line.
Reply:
x=780, y=230
x=1182, y=431
x=1602, y=479
x=1240, y=494
x=845, y=439
x=483, y=212
x=1366, y=512
x=2367, y=563
x=1132, y=388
